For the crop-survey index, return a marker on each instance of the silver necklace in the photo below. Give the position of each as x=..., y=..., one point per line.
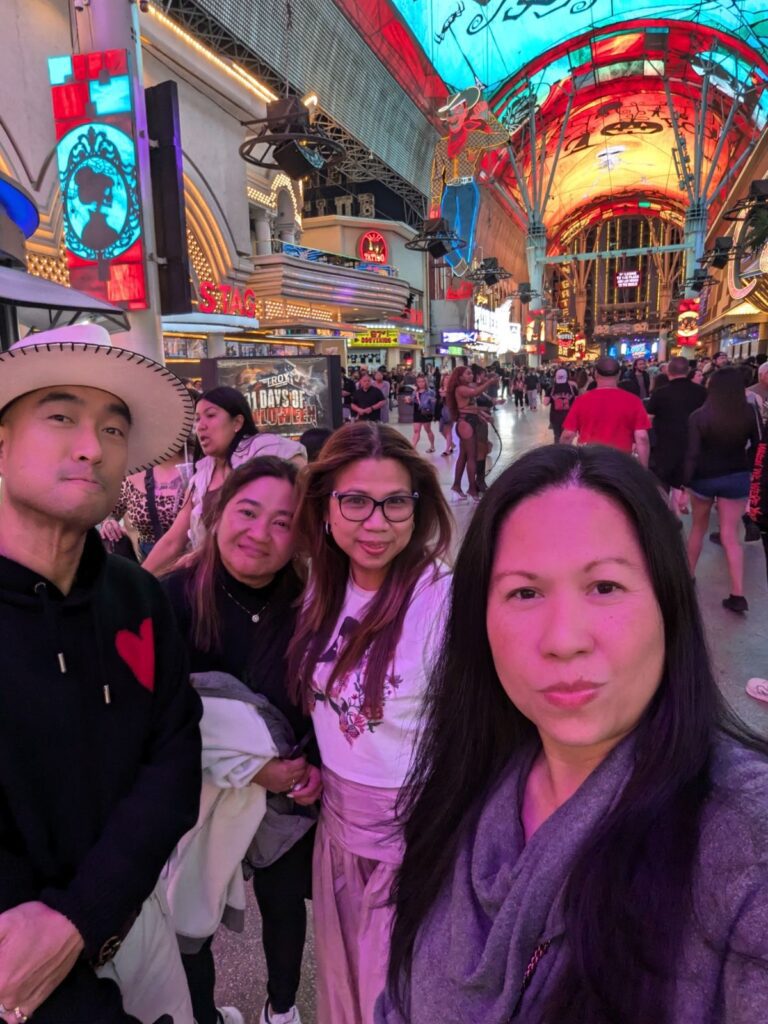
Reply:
x=253, y=616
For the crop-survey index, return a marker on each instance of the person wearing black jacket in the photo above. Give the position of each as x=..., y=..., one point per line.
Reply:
x=99, y=737
x=235, y=600
x=638, y=380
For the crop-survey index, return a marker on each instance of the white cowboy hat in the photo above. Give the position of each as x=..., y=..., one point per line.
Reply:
x=161, y=408
x=470, y=96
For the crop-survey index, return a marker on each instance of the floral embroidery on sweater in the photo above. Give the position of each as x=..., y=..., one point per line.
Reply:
x=347, y=695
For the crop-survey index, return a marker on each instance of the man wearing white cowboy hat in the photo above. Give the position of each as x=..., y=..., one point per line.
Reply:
x=472, y=131
x=99, y=740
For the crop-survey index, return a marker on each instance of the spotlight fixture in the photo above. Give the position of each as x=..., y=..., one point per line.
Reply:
x=699, y=280
x=436, y=238
x=286, y=140
x=722, y=251
x=524, y=293
x=488, y=272
x=756, y=199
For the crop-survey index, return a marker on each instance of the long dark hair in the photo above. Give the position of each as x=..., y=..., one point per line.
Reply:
x=236, y=404
x=205, y=564
x=450, y=390
x=726, y=415
x=382, y=624
x=628, y=892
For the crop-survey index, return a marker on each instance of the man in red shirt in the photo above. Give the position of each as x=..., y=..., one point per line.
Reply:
x=609, y=415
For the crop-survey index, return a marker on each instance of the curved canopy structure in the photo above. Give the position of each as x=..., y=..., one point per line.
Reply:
x=612, y=105
x=493, y=40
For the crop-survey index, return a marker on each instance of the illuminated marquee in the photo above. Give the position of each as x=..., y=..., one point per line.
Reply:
x=688, y=322
x=227, y=299
x=98, y=175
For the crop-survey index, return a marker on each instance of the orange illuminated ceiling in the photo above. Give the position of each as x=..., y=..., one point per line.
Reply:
x=606, y=100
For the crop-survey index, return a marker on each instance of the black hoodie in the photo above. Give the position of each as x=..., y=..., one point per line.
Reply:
x=99, y=752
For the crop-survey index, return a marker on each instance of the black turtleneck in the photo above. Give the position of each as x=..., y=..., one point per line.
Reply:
x=252, y=652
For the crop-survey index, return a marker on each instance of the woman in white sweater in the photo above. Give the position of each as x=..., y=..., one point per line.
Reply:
x=373, y=520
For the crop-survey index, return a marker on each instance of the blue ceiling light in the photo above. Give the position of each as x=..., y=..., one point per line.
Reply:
x=19, y=206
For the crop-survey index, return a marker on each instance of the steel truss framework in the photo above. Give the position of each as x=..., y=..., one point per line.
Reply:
x=359, y=164
x=701, y=184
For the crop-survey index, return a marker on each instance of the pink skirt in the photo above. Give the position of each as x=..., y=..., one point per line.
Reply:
x=357, y=852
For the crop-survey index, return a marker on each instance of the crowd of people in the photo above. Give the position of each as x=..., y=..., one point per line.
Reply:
x=506, y=779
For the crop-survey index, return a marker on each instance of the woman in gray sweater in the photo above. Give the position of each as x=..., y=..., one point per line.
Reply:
x=587, y=824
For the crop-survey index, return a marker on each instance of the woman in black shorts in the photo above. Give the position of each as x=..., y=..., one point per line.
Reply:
x=722, y=438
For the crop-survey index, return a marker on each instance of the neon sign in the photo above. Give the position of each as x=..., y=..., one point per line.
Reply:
x=228, y=298
x=688, y=322
x=98, y=175
x=373, y=247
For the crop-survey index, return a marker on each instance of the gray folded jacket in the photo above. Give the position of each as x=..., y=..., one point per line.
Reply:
x=285, y=821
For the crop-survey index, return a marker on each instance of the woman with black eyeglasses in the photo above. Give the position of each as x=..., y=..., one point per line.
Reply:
x=374, y=523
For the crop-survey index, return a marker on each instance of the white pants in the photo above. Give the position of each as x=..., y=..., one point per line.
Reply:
x=533, y=398
x=147, y=968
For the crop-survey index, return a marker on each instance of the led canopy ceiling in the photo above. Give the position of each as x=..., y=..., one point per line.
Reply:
x=491, y=40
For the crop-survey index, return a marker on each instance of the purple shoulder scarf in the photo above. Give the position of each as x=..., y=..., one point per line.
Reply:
x=502, y=902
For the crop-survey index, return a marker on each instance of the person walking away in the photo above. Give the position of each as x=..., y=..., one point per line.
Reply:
x=235, y=600
x=99, y=738
x=722, y=439
x=532, y=383
x=375, y=526
x=757, y=687
x=367, y=401
x=758, y=393
x=229, y=438
x=609, y=415
x=422, y=398
x=669, y=409
x=560, y=399
x=383, y=385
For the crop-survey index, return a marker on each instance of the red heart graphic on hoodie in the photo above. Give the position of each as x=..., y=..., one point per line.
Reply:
x=138, y=652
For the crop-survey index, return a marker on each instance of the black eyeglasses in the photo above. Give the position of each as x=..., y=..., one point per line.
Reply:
x=356, y=508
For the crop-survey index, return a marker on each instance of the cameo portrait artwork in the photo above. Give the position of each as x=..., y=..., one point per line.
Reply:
x=97, y=167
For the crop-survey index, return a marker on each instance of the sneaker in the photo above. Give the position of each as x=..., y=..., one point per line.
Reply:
x=758, y=688
x=229, y=1015
x=736, y=603
x=268, y=1016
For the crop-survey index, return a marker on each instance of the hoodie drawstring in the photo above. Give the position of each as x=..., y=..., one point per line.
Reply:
x=51, y=622
x=97, y=632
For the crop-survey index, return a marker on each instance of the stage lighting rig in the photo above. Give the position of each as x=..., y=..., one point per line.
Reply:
x=286, y=140
x=488, y=272
x=719, y=256
x=436, y=238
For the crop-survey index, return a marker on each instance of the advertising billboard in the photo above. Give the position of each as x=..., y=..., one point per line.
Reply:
x=98, y=174
x=287, y=395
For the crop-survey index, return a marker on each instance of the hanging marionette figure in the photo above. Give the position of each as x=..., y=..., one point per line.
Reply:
x=455, y=194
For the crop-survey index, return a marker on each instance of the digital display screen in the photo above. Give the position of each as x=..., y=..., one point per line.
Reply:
x=628, y=279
